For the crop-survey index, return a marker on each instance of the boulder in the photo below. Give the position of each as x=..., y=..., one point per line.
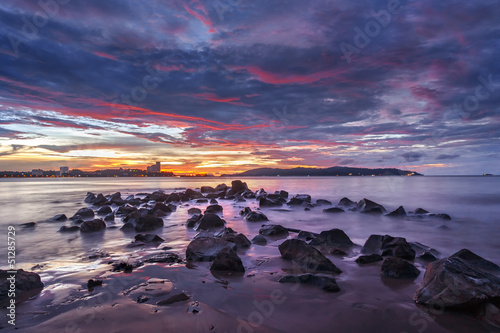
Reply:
x=104, y=210
x=83, y=213
x=191, y=222
x=368, y=259
x=148, y=238
x=400, y=211
x=194, y=211
x=323, y=202
x=455, y=282
x=388, y=246
x=209, y=221
x=245, y=211
x=192, y=194
x=69, y=229
x=117, y=199
x=59, y=217
x=173, y=197
x=181, y=297
x=428, y=256
x=371, y=207
x=237, y=186
x=160, y=206
x=334, y=210
x=256, y=217
x=346, y=202
x=306, y=256
x=134, y=202
x=206, y=248
x=227, y=260
x=126, y=209
x=399, y=268
x=283, y=194
x=306, y=235
x=28, y=225
x=213, y=209
x=171, y=258
x=148, y=223
x=157, y=196
x=259, y=240
x=221, y=188
x=326, y=283
x=334, y=238
x=109, y=217
x=207, y=189
x=94, y=225
x=99, y=200
x=214, y=201
x=299, y=199
x=240, y=240
x=476, y=260
x=421, y=211
x=266, y=202
x=90, y=198
x=273, y=230
x=26, y=285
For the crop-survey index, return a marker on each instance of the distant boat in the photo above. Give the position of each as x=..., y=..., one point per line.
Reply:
x=487, y=174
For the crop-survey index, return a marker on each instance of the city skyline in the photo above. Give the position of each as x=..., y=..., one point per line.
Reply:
x=224, y=89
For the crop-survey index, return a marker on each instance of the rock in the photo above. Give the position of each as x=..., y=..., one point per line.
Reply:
x=134, y=202
x=206, y=248
x=245, y=211
x=334, y=238
x=209, y=221
x=164, y=258
x=273, y=230
x=399, y=268
x=148, y=223
x=326, y=283
x=174, y=299
x=221, y=188
x=109, y=217
x=117, y=199
x=283, y=194
x=142, y=299
x=240, y=240
x=388, y=246
x=306, y=256
x=69, y=229
x=476, y=260
x=213, y=201
x=104, y=210
x=443, y=216
x=173, y=197
x=194, y=211
x=28, y=225
x=346, y=202
x=160, y=206
x=148, y=238
x=26, y=285
x=256, y=217
x=457, y=283
x=428, y=256
x=213, y=209
x=299, y=199
x=306, y=235
x=125, y=210
x=323, y=202
x=157, y=196
x=192, y=194
x=266, y=202
x=227, y=260
x=125, y=266
x=191, y=222
x=99, y=200
x=421, y=211
x=92, y=283
x=369, y=259
x=333, y=210
x=400, y=211
x=259, y=240
x=83, y=213
x=237, y=186
x=371, y=207
x=91, y=226
x=90, y=198
x=207, y=189
x=201, y=201
x=59, y=217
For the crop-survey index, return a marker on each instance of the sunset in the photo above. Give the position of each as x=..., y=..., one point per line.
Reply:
x=249, y=166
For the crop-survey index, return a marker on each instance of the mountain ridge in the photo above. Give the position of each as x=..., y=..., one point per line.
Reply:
x=318, y=172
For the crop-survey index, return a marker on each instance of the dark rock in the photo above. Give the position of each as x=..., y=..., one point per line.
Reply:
x=283, y=194
x=457, y=283
x=159, y=206
x=240, y=240
x=237, y=186
x=259, y=240
x=337, y=252
x=60, y=217
x=221, y=188
x=94, y=225
x=265, y=202
x=109, y=217
x=192, y=194
x=428, y=256
x=245, y=211
x=368, y=206
x=323, y=202
x=213, y=209
x=299, y=199
x=333, y=237
x=256, y=217
x=191, y=222
x=326, y=283
x=476, y=260
x=148, y=238
x=388, y=246
x=28, y=225
x=399, y=268
x=174, y=299
x=157, y=196
x=443, y=216
x=209, y=221
x=164, y=258
x=333, y=210
x=206, y=248
x=194, y=211
x=201, y=201
x=346, y=202
x=124, y=210
x=273, y=230
x=90, y=198
x=207, y=189
x=306, y=235
x=83, y=213
x=142, y=299
x=99, y=200
x=26, y=284
x=92, y=283
x=126, y=267
x=148, y=223
x=400, y=211
x=128, y=227
x=134, y=202
x=227, y=260
x=69, y=229
x=104, y=210
x=306, y=256
x=421, y=211
x=213, y=201
x=173, y=197
x=369, y=259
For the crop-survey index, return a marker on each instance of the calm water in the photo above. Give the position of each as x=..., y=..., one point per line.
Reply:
x=473, y=203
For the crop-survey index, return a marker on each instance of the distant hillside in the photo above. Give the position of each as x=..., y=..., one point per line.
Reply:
x=315, y=172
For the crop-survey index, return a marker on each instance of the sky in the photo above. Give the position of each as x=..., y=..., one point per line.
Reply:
x=224, y=86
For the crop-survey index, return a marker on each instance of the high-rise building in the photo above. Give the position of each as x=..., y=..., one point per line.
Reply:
x=63, y=170
x=155, y=167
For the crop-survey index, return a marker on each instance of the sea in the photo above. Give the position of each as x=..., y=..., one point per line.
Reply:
x=472, y=202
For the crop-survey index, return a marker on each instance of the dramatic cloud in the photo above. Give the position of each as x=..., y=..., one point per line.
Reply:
x=113, y=83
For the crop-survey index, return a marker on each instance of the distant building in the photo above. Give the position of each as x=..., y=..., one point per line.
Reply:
x=37, y=172
x=63, y=170
x=155, y=167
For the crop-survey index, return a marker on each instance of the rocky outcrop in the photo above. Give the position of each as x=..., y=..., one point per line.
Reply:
x=227, y=260
x=399, y=212
x=306, y=256
x=300, y=199
x=333, y=238
x=399, y=268
x=237, y=187
x=388, y=246
x=206, y=248
x=476, y=260
x=370, y=207
x=326, y=283
x=346, y=202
